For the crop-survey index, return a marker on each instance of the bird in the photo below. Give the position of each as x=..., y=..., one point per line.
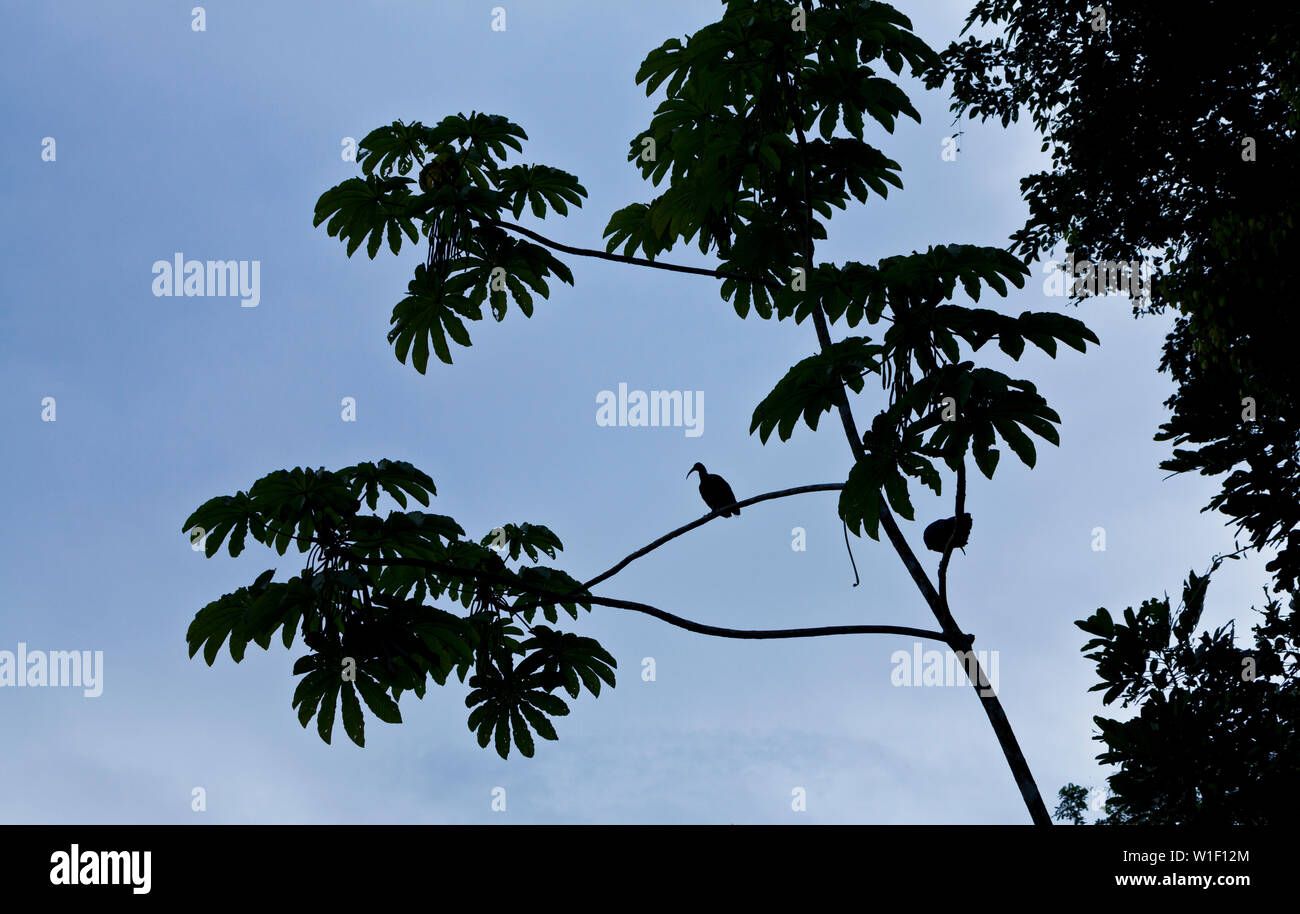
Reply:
x=936, y=535
x=714, y=490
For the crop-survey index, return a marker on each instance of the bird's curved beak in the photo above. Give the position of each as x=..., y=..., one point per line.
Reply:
x=689, y=472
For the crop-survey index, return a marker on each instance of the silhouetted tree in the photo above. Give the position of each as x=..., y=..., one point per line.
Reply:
x=1074, y=800
x=1214, y=741
x=762, y=133
x=1173, y=133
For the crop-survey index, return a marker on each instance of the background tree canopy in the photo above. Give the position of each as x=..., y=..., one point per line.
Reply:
x=1173, y=132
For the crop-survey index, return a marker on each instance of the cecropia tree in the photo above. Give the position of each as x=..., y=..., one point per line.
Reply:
x=762, y=134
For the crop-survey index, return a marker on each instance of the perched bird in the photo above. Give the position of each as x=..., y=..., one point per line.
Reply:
x=714, y=490
x=936, y=535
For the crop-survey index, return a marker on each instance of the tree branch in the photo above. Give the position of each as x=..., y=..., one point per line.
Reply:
x=938, y=604
x=798, y=490
x=896, y=538
x=759, y=634
x=622, y=258
x=670, y=618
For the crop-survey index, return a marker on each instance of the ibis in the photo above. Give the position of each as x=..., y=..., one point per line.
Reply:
x=936, y=535
x=714, y=490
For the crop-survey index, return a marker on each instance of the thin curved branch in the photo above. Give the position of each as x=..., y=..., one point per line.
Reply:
x=798, y=490
x=772, y=285
x=664, y=615
x=622, y=258
x=769, y=633
x=646, y=608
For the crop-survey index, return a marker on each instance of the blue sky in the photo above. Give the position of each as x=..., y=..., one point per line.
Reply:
x=217, y=144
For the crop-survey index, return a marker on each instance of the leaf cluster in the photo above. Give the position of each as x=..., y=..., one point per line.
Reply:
x=362, y=603
x=457, y=202
x=1213, y=740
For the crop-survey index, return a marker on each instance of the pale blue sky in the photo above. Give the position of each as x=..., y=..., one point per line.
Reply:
x=217, y=144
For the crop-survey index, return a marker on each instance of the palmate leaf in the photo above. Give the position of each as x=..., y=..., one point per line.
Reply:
x=857, y=291
x=556, y=581
x=852, y=90
x=879, y=30
x=525, y=266
x=670, y=61
x=540, y=187
x=569, y=658
x=217, y=517
x=393, y=148
x=814, y=386
x=457, y=209
x=881, y=477
x=987, y=402
x=359, y=208
x=533, y=540
x=426, y=317
x=933, y=276
x=394, y=477
x=843, y=168
x=311, y=689
x=487, y=136
x=414, y=534
x=632, y=227
x=859, y=504
x=980, y=325
x=251, y=613
x=507, y=704
x=333, y=683
x=291, y=505
x=434, y=307
x=378, y=700
x=861, y=498
x=854, y=291
x=214, y=623
x=761, y=263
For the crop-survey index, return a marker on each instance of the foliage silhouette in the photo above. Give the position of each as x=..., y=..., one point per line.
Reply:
x=1074, y=800
x=747, y=181
x=1214, y=742
x=1200, y=177
x=1200, y=174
